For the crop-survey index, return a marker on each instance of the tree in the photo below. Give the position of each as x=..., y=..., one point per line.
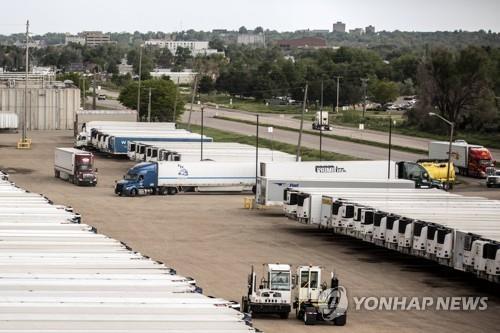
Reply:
x=217, y=44
x=258, y=30
x=242, y=30
x=163, y=94
x=384, y=92
x=182, y=55
x=454, y=84
x=112, y=68
x=147, y=66
x=166, y=58
x=206, y=85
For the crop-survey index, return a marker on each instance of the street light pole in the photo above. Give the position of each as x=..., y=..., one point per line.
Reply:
x=364, y=81
x=452, y=127
x=139, y=87
x=390, y=146
x=149, y=105
x=338, y=89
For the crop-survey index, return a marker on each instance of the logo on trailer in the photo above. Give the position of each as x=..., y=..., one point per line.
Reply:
x=182, y=171
x=329, y=169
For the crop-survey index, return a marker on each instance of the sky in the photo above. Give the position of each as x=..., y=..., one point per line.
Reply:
x=285, y=15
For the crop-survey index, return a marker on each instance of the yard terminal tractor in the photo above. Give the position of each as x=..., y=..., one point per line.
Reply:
x=313, y=300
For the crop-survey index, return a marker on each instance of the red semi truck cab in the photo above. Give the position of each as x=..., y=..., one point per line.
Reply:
x=480, y=158
x=75, y=166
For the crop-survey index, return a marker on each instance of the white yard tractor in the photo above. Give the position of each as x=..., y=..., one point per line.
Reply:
x=272, y=295
x=316, y=302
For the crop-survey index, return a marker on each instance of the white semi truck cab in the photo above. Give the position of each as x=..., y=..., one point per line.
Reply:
x=321, y=121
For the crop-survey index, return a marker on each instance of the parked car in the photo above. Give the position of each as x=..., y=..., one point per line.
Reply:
x=101, y=97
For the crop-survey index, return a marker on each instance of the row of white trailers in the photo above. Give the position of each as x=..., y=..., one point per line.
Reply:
x=153, y=151
x=456, y=231
x=59, y=275
x=113, y=136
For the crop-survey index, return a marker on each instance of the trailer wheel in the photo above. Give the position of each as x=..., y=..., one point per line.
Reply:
x=172, y=190
x=162, y=191
x=340, y=321
x=133, y=192
x=56, y=173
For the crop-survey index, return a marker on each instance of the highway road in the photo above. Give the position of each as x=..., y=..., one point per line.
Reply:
x=289, y=121
x=291, y=137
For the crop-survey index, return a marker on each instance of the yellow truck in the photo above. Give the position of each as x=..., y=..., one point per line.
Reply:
x=438, y=169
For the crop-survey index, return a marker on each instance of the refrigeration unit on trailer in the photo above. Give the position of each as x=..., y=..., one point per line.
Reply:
x=75, y=166
x=167, y=177
x=470, y=160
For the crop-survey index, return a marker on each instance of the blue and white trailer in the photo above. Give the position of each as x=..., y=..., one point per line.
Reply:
x=168, y=177
x=118, y=144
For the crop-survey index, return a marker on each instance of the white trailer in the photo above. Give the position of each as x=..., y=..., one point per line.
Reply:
x=8, y=120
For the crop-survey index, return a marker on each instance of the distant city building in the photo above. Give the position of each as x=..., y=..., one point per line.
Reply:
x=251, y=39
x=74, y=39
x=357, y=31
x=185, y=77
x=196, y=47
x=35, y=44
x=320, y=31
x=339, y=27
x=306, y=42
x=95, y=38
x=370, y=29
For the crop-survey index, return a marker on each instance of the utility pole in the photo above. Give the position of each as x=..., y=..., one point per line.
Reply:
x=202, y=127
x=175, y=101
x=25, y=116
x=390, y=145
x=93, y=88
x=321, y=123
x=338, y=90
x=256, y=154
x=84, y=94
x=301, y=123
x=139, y=87
x=192, y=100
x=364, y=83
x=149, y=105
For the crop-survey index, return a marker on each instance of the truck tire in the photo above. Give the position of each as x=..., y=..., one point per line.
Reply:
x=299, y=314
x=133, y=192
x=308, y=318
x=172, y=190
x=162, y=191
x=244, y=305
x=340, y=321
x=56, y=173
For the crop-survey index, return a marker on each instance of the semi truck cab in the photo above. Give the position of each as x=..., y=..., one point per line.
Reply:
x=417, y=173
x=139, y=179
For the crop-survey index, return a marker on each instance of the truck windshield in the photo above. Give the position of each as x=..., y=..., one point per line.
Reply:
x=84, y=167
x=130, y=176
x=280, y=280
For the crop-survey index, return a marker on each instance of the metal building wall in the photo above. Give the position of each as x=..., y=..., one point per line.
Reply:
x=48, y=108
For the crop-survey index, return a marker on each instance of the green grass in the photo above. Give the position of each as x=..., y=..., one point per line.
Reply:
x=248, y=104
x=332, y=136
x=307, y=153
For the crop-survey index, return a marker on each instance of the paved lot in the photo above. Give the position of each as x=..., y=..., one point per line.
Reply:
x=211, y=238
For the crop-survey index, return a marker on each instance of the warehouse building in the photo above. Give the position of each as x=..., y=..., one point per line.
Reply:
x=50, y=104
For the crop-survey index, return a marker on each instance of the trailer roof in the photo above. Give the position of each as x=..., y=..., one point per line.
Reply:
x=56, y=275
